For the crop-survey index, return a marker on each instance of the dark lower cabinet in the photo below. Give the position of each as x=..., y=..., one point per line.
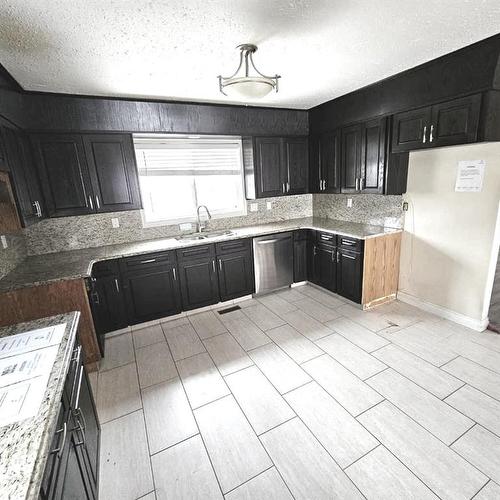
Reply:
x=300, y=256
x=325, y=266
x=235, y=272
x=349, y=274
x=199, y=283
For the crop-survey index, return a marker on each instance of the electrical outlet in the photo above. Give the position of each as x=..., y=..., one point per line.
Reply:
x=405, y=206
x=4, y=241
x=349, y=202
x=115, y=223
x=269, y=205
x=254, y=207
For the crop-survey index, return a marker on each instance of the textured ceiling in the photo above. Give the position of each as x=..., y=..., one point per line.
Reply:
x=174, y=49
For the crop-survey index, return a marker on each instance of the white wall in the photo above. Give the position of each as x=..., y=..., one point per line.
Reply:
x=450, y=239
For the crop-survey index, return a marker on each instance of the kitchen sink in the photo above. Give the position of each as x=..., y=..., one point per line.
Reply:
x=203, y=236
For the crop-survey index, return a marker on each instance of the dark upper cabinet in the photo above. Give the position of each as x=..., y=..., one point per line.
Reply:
x=351, y=158
x=445, y=124
x=324, y=266
x=349, y=274
x=64, y=174
x=373, y=150
x=455, y=122
x=268, y=167
x=19, y=161
x=324, y=167
x=150, y=286
x=296, y=165
x=235, y=271
x=113, y=172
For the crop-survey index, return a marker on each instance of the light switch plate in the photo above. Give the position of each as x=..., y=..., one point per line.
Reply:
x=187, y=226
x=4, y=241
x=254, y=207
x=115, y=222
x=349, y=202
x=269, y=205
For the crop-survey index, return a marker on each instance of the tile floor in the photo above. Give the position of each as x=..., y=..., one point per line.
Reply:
x=301, y=395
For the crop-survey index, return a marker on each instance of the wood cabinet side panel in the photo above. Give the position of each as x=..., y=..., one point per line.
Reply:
x=60, y=297
x=381, y=267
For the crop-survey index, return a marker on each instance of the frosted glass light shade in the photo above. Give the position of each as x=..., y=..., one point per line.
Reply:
x=248, y=87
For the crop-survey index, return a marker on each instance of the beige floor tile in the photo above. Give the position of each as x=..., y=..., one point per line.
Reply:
x=380, y=475
x=478, y=406
x=246, y=333
x=184, y=472
x=227, y=354
x=317, y=310
x=118, y=392
x=429, y=411
x=201, y=379
x=440, y=468
x=351, y=392
x=266, y=485
x=298, y=347
x=93, y=379
x=488, y=339
x=351, y=356
x=149, y=496
x=340, y=433
x=357, y=334
x=421, y=372
x=308, y=470
x=174, y=323
x=291, y=294
x=481, y=448
x=169, y=419
x=263, y=317
x=322, y=297
x=276, y=304
x=183, y=341
x=235, y=451
x=155, y=364
x=260, y=401
x=207, y=324
x=307, y=325
x=248, y=303
x=490, y=492
x=147, y=336
x=372, y=320
x=118, y=351
x=125, y=469
x=279, y=368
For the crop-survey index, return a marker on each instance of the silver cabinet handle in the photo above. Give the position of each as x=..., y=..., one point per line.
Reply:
x=283, y=188
x=357, y=185
x=424, y=138
x=91, y=203
x=432, y=134
x=38, y=210
x=348, y=243
x=320, y=184
x=174, y=273
x=338, y=256
x=82, y=426
x=60, y=448
x=147, y=261
x=97, y=202
x=213, y=265
x=117, y=286
x=315, y=250
x=360, y=188
x=287, y=187
x=333, y=255
x=220, y=264
x=348, y=256
x=324, y=184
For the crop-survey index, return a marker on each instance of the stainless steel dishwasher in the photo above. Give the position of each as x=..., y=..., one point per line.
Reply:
x=273, y=261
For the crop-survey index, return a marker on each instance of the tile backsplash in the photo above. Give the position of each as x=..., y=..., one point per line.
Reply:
x=69, y=233
x=366, y=208
x=15, y=252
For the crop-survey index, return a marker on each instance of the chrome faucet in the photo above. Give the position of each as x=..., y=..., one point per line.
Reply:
x=202, y=226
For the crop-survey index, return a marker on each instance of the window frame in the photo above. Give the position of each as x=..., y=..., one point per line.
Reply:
x=189, y=220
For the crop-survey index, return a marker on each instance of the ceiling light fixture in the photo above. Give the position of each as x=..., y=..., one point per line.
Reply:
x=247, y=81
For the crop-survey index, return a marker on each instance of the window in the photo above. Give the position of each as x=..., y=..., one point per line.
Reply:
x=178, y=173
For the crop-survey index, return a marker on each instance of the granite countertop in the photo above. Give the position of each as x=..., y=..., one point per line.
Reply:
x=25, y=445
x=74, y=264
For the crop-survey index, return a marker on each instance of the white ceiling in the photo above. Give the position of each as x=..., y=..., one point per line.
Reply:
x=174, y=49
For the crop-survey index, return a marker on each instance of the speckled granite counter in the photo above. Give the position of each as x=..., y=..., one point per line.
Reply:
x=46, y=268
x=24, y=446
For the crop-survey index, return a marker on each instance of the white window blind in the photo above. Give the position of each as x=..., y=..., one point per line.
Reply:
x=179, y=173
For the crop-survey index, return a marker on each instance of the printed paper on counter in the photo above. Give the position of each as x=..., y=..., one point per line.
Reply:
x=470, y=175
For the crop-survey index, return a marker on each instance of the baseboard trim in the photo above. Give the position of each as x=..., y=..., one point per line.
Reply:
x=475, y=324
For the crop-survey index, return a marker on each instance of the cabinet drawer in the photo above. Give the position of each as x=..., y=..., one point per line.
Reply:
x=105, y=268
x=327, y=238
x=226, y=247
x=350, y=243
x=196, y=252
x=146, y=260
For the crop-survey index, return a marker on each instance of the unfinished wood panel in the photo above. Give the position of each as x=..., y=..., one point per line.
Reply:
x=59, y=297
x=381, y=269
x=9, y=218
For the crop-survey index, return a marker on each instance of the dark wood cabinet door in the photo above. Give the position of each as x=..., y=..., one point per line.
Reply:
x=325, y=267
x=269, y=166
x=314, y=164
x=455, y=122
x=330, y=162
x=236, y=277
x=296, y=165
x=151, y=293
x=199, y=284
x=351, y=158
x=410, y=130
x=300, y=260
x=373, y=147
x=349, y=274
x=113, y=171
x=64, y=174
